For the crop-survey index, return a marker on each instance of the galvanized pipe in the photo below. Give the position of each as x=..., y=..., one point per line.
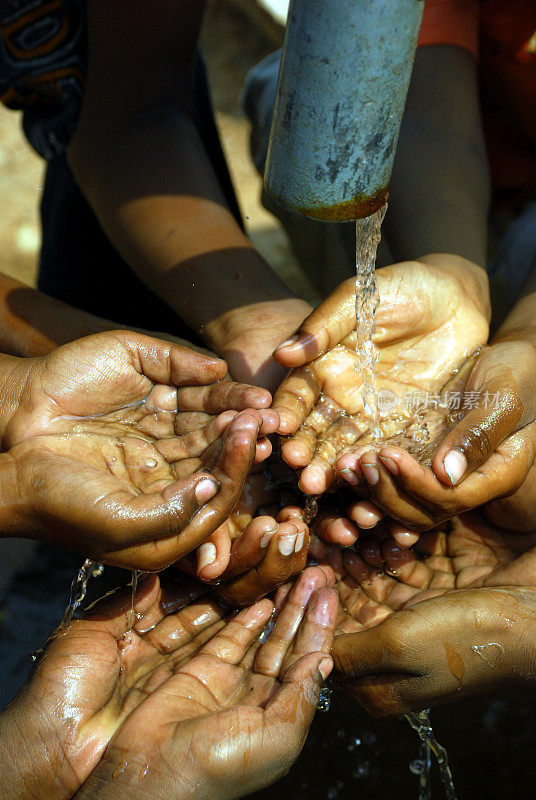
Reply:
x=345, y=72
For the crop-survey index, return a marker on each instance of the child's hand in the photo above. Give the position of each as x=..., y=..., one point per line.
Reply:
x=230, y=716
x=441, y=649
x=432, y=316
x=487, y=455
x=249, y=556
x=470, y=587
x=114, y=451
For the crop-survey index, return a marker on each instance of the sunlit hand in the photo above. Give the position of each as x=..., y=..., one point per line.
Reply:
x=231, y=718
x=113, y=449
x=487, y=455
x=433, y=315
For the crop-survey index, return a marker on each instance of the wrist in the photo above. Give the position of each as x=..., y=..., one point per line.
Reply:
x=32, y=764
x=247, y=337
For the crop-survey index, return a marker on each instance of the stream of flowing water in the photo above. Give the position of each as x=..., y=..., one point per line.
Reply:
x=368, y=236
x=420, y=722
x=79, y=588
x=367, y=298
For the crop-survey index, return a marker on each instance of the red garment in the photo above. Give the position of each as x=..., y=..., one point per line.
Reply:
x=502, y=35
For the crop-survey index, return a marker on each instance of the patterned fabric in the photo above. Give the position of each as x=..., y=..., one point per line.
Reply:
x=43, y=53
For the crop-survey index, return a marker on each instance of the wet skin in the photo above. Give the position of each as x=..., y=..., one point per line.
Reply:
x=141, y=486
x=454, y=616
x=186, y=701
x=432, y=315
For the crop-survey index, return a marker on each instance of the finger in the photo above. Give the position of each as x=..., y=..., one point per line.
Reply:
x=323, y=329
x=223, y=396
x=187, y=421
x=214, y=554
x=263, y=450
x=176, y=631
x=501, y=475
x=335, y=529
x=486, y=424
x=299, y=450
x=295, y=399
x=194, y=443
x=250, y=547
x=166, y=363
x=285, y=556
x=317, y=628
x=271, y=655
x=391, y=496
x=365, y=514
x=231, y=644
x=114, y=613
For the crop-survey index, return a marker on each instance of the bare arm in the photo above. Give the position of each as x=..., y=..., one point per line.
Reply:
x=139, y=160
x=440, y=183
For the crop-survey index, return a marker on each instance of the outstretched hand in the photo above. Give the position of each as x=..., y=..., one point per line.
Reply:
x=432, y=316
x=226, y=716
x=129, y=449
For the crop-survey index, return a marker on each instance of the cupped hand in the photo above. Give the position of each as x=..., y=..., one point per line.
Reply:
x=255, y=550
x=85, y=682
x=428, y=626
x=485, y=457
x=228, y=718
x=433, y=315
x=114, y=449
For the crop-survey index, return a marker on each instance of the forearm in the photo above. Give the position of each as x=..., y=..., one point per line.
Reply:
x=440, y=183
x=33, y=324
x=149, y=180
x=521, y=321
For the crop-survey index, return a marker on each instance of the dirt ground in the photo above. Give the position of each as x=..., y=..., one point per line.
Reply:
x=236, y=35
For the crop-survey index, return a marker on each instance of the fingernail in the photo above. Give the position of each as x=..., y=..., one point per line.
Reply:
x=206, y=489
x=368, y=519
x=325, y=667
x=286, y=544
x=390, y=464
x=349, y=476
x=206, y=554
x=371, y=473
x=266, y=539
x=299, y=542
x=289, y=342
x=455, y=465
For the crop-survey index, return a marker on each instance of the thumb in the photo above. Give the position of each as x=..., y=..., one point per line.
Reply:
x=324, y=328
x=297, y=699
x=359, y=654
x=493, y=411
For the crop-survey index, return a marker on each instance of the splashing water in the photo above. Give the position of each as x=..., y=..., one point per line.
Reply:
x=367, y=239
x=88, y=570
x=420, y=722
x=134, y=585
x=311, y=508
x=324, y=700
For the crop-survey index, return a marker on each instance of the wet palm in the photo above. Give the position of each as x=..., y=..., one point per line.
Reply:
x=431, y=318
x=223, y=715
x=109, y=441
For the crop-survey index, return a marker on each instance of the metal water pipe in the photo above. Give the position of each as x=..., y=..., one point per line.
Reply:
x=344, y=77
